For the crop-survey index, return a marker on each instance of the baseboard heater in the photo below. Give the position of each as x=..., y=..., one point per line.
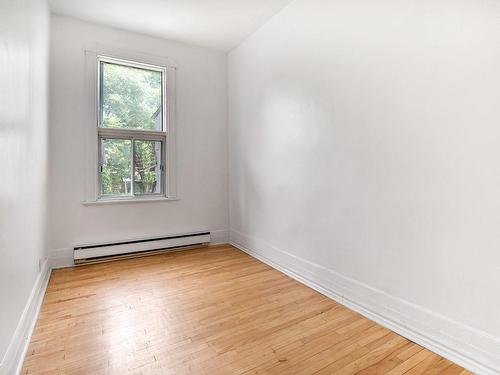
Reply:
x=144, y=246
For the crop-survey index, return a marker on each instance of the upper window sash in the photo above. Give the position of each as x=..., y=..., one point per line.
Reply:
x=137, y=65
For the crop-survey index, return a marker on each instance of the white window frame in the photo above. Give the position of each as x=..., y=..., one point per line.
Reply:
x=93, y=58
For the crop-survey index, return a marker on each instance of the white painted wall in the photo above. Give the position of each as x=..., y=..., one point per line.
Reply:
x=364, y=145
x=201, y=142
x=24, y=41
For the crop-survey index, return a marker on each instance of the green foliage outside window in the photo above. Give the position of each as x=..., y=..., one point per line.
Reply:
x=117, y=167
x=147, y=169
x=131, y=97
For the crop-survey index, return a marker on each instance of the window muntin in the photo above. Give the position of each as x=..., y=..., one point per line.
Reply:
x=131, y=129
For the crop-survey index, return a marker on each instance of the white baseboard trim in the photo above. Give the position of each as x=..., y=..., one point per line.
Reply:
x=16, y=351
x=473, y=349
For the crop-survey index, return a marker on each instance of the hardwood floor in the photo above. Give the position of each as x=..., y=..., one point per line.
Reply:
x=208, y=311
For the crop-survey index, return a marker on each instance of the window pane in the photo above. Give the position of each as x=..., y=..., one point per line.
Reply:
x=116, y=159
x=131, y=97
x=147, y=167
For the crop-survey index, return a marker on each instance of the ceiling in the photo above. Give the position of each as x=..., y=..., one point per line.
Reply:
x=218, y=24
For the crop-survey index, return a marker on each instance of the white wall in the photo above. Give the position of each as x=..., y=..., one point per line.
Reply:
x=24, y=41
x=364, y=145
x=201, y=142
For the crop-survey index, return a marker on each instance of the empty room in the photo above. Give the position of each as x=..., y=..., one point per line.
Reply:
x=249, y=187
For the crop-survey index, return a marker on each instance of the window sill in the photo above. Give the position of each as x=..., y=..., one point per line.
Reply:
x=100, y=202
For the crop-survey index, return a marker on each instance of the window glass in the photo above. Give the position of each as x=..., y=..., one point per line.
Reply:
x=116, y=166
x=130, y=97
x=147, y=167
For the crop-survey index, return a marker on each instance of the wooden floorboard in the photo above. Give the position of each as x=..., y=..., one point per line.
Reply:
x=208, y=311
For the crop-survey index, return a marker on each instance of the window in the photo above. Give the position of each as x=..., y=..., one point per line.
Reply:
x=132, y=131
